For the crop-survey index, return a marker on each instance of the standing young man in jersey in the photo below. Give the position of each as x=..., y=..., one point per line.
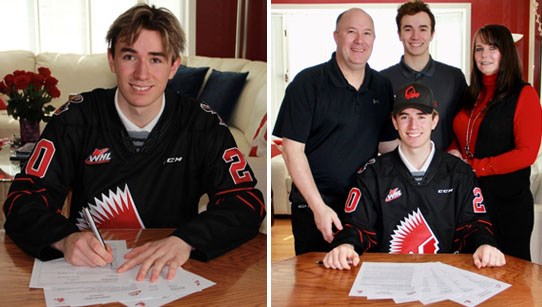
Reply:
x=332, y=119
x=139, y=157
x=416, y=199
x=416, y=28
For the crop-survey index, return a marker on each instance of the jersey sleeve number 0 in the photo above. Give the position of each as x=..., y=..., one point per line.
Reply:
x=41, y=158
x=238, y=167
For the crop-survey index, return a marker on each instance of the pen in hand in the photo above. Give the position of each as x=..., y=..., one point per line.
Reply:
x=92, y=225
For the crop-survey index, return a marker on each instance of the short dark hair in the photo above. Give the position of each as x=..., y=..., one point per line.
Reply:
x=412, y=8
x=128, y=26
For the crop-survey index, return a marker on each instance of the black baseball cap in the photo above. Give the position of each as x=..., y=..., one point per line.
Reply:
x=414, y=95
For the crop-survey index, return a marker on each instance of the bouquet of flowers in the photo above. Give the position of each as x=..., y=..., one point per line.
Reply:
x=29, y=93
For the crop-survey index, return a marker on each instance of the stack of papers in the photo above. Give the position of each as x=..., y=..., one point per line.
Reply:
x=427, y=282
x=67, y=285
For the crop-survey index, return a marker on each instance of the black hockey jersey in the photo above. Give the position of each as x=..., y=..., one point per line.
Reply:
x=390, y=211
x=86, y=149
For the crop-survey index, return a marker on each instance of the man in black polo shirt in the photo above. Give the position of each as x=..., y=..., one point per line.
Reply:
x=333, y=119
x=416, y=28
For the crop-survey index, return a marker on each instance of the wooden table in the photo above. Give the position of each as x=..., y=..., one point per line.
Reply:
x=300, y=281
x=240, y=275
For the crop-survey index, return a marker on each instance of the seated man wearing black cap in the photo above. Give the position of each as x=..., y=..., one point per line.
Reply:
x=415, y=199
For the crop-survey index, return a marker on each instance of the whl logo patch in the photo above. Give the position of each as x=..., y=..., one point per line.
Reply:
x=99, y=156
x=393, y=194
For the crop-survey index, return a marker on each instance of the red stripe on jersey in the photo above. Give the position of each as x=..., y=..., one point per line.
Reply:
x=262, y=205
x=246, y=202
x=21, y=193
x=24, y=179
x=233, y=190
x=27, y=192
x=485, y=222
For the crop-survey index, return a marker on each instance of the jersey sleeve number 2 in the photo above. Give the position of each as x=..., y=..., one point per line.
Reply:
x=41, y=158
x=478, y=201
x=238, y=167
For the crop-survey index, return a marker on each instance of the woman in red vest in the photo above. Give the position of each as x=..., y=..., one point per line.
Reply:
x=498, y=132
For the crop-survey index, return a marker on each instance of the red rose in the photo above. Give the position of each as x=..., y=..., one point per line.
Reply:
x=44, y=71
x=32, y=92
x=21, y=82
x=53, y=91
x=9, y=80
x=3, y=88
x=3, y=105
x=38, y=80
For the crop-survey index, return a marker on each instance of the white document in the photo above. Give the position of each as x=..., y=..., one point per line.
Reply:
x=68, y=285
x=95, y=294
x=487, y=287
x=425, y=282
x=60, y=272
x=440, y=286
x=194, y=283
x=378, y=280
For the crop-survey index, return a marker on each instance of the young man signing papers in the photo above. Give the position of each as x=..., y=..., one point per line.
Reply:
x=139, y=156
x=415, y=199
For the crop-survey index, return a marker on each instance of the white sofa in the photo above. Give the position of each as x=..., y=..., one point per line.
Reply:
x=78, y=73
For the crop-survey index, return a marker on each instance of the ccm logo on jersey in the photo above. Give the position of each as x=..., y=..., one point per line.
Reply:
x=173, y=160
x=99, y=156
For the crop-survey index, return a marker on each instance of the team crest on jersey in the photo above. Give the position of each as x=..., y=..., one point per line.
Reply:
x=99, y=156
x=414, y=236
x=207, y=108
x=71, y=99
x=116, y=210
x=393, y=194
x=371, y=161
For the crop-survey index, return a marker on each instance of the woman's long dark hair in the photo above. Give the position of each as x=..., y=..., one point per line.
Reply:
x=510, y=73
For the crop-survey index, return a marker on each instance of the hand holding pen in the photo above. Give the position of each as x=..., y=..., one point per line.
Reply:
x=90, y=221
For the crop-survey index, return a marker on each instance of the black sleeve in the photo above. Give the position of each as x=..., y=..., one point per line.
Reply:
x=388, y=132
x=235, y=210
x=474, y=227
x=33, y=207
x=360, y=214
x=295, y=115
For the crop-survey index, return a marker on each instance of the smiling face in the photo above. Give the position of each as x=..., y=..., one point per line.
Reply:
x=142, y=70
x=414, y=127
x=355, y=38
x=416, y=34
x=487, y=57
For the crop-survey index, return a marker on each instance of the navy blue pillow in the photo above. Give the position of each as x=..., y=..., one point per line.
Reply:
x=222, y=91
x=188, y=80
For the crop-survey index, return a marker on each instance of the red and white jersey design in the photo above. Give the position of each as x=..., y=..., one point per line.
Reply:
x=390, y=211
x=154, y=183
x=114, y=211
x=413, y=236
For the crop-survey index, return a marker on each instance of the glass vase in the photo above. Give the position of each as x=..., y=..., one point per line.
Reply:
x=30, y=130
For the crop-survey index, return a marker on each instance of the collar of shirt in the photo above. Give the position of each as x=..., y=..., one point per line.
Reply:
x=129, y=125
x=410, y=73
x=337, y=78
x=425, y=165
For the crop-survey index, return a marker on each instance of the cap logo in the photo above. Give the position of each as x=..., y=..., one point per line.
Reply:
x=411, y=93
